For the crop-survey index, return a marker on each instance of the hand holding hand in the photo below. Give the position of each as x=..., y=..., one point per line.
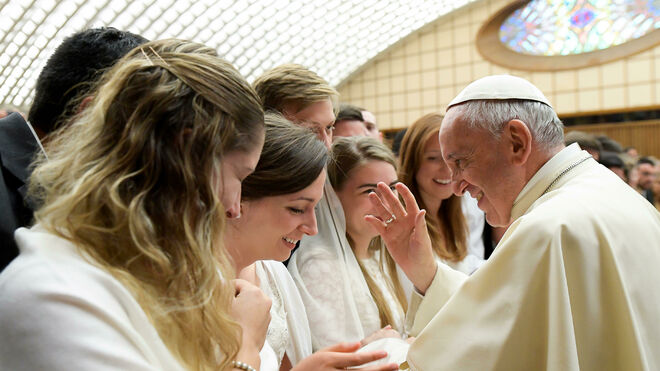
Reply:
x=403, y=229
x=342, y=356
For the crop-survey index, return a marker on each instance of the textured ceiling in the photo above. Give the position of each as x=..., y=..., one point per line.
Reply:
x=332, y=37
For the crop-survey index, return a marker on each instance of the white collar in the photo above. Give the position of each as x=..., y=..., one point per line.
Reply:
x=546, y=176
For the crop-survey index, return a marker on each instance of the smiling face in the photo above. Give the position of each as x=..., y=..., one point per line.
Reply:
x=270, y=227
x=480, y=165
x=433, y=176
x=318, y=116
x=354, y=195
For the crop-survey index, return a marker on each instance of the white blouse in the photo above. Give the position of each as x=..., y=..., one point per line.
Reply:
x=288, y=331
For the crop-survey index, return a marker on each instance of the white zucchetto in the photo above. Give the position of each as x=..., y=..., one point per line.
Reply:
x=500, y=87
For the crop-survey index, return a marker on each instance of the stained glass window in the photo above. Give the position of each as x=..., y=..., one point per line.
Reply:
x=551, y=27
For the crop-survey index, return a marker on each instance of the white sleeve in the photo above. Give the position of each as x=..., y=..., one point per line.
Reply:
x=46, y=325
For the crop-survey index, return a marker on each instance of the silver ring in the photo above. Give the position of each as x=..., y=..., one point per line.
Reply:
x=390, y=220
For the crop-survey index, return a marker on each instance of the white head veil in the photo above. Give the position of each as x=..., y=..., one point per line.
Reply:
x=330, y=245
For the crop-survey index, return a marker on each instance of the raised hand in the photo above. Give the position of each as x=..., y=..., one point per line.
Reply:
x=342, y=356
x=403, y=229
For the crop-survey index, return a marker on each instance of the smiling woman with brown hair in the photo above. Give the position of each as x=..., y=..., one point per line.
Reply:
x=425, y=173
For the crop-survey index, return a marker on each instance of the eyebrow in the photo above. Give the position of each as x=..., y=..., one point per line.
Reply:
x=372, y=185
x=303, y=199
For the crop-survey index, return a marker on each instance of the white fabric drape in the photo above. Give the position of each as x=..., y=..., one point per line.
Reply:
x=276, y=279
x=59, y=311
x=338, y=302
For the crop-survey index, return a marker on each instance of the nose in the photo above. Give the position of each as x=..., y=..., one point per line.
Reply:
x=309, y=226
x=459, y=186
x=326, y=138
x=234, y=210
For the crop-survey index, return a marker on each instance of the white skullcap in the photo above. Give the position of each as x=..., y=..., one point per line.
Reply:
x=500, y=87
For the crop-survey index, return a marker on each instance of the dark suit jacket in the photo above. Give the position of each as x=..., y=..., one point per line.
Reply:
x=17, y=147
x=649, y=196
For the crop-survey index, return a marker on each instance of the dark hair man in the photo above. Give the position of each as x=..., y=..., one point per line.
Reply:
x=68, y=77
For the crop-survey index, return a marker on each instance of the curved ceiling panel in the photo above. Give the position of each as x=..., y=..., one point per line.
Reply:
x=332, y=37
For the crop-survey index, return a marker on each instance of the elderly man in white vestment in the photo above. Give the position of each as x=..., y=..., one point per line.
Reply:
x=573, y=283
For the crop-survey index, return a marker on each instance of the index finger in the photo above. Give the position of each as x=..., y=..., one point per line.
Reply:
x=391, y=200
x=356, y=359
x=408, y=198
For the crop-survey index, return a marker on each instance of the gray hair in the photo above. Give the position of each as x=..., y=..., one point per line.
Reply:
x=542, y=121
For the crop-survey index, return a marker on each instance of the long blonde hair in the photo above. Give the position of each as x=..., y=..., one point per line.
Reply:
x=132, y=182
x=350, y=153
x=448, y=230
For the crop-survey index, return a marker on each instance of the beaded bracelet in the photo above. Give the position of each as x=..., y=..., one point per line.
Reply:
x=242, y=366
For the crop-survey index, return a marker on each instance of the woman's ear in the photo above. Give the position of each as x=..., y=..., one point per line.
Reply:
x=520, y=139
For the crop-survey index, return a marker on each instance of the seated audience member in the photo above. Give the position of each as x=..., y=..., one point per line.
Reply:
x=576, y=268
x=646, y=174
x=632, y=152
x=609, y=144
x=586, y=141
x=277, y=209
x=69, y=73
x=124, y=269
x=356, y=121
x=370, y=123
x=613, y=162
x=455, y=223
x=656, y=190
x=349, y=122
x=301, y=96
x=350, y=292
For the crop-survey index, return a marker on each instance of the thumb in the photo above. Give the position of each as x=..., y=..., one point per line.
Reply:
x=342, y=347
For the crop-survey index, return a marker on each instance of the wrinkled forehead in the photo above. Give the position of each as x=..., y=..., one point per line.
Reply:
x=451, y=121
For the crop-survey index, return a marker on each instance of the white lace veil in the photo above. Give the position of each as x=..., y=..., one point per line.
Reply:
x=330, y=243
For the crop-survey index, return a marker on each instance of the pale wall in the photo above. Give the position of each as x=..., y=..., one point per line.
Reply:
x=423, y=72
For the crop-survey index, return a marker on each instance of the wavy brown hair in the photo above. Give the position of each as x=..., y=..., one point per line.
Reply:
x=350, y=153
x=448, y=230
x=132, y=182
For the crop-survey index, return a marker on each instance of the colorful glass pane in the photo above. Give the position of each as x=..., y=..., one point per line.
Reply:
x=551, y=27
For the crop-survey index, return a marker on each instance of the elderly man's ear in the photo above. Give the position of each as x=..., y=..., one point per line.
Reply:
x=520, y=141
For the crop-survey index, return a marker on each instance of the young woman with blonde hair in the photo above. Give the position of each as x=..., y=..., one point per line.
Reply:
x=454, y=223
x=351, y=293
x=125, y=268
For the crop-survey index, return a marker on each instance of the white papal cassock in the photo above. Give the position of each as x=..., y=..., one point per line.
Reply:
x=573, y=285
